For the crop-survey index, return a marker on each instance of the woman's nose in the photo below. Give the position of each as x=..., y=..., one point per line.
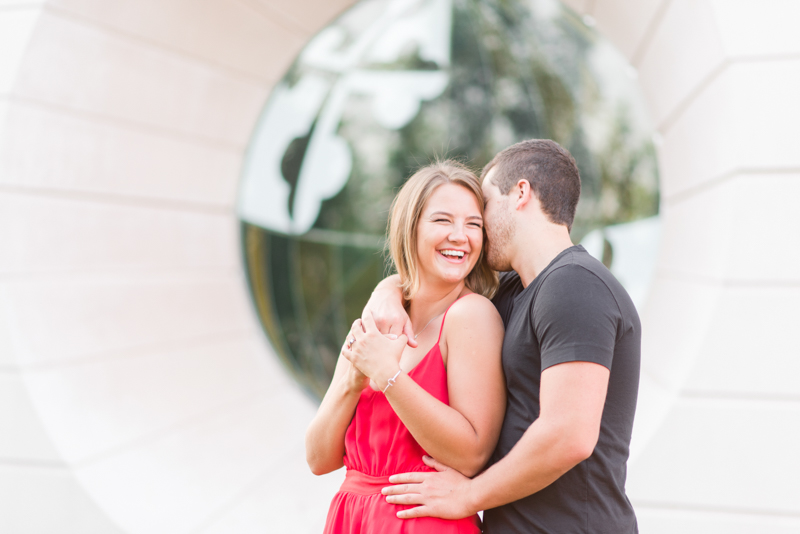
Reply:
x=458, y=235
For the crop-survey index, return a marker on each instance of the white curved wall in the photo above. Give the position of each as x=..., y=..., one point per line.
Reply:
x=137, y=393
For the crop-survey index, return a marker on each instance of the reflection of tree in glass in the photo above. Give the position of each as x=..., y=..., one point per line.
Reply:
x=516, y=73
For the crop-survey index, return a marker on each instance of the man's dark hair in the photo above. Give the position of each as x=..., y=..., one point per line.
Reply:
x=549, y=169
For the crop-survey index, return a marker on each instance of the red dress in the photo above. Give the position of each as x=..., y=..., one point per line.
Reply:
x=377, y=445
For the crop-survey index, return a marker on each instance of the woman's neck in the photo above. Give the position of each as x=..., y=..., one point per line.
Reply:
x=430, y=302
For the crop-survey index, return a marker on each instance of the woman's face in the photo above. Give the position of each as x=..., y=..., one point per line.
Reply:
x=449, y=234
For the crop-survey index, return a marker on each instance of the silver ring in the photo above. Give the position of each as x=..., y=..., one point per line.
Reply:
x=350, y=342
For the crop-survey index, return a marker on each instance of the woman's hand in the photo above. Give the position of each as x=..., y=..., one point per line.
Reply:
x=355, y=380
x=375, y=355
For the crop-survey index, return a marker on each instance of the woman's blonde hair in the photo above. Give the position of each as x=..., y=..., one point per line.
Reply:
x=406, y=212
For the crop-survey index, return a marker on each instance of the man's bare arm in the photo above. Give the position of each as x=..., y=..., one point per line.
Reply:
x=572, y=397
x=386, y=307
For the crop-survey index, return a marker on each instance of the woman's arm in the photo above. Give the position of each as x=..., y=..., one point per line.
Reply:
x=325, y=434
x=464, y=434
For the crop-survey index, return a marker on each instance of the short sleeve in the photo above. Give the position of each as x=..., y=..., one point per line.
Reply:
x=575, y=318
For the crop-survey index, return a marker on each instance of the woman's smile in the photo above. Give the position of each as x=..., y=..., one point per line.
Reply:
x=450, y=233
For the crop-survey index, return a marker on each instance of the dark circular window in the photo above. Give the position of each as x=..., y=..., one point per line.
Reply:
x=394, y=84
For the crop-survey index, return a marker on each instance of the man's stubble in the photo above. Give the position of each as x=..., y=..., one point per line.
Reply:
x=499, y=232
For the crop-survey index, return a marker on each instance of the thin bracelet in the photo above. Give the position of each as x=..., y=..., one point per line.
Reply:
x=391, y=381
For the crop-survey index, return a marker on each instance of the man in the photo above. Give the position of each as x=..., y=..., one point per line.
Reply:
x=571, y=361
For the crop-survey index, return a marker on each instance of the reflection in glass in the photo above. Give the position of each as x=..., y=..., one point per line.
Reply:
x=391, y=85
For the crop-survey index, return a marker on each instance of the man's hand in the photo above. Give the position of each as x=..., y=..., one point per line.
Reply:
x=386, y=307
x=444, y=493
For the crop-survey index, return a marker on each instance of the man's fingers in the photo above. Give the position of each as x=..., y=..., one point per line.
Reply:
x=408, y=330
x=406, y=498
x=400, y=489
x=431, y=462
x=407, y=478
x=417, y=511
x=369, y=323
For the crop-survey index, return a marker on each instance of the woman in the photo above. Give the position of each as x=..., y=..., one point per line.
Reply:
x=388, y=403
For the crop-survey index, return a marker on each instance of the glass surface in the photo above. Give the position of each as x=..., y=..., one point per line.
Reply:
x=393, y=85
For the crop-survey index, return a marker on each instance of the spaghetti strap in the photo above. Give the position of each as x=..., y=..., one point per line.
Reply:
x=441, y=328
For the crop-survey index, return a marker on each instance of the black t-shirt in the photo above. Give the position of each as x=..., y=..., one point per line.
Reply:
x=574, y=310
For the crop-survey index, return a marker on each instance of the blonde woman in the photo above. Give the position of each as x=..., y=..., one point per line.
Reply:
x=390, y=404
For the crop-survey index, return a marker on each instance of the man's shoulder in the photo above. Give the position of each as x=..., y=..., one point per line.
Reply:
x=575, y=270
x=580, y=282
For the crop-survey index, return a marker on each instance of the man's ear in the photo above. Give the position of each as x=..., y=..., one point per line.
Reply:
x=523, y=193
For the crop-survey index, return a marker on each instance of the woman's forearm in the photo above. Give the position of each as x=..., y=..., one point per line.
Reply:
x=326, y=433
x=441, y=430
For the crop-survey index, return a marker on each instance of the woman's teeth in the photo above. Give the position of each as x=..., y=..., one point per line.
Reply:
x=455, y=253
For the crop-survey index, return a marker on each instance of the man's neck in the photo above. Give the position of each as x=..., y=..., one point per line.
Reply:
x=537, y=249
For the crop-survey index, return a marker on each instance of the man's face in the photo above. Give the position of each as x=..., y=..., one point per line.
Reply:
x=499, y=224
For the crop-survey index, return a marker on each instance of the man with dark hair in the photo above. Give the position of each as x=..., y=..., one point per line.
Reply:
x=571, y=360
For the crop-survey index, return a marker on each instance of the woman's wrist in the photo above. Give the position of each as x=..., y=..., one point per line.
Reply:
x=388, y=378
x=352, y=385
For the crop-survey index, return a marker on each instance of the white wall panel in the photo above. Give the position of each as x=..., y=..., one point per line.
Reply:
x=758, y=28
x=723, y=454
x=747, y=119
x=273, y=503
x=765, y=225
x=83, y=68
x=309, y=15
x=751, y=347
x=45, y=500
x=16, y=27
x=57, y=149
x=175, y=484
x=228, y=33
x=687, y=307
x=7, y=359
x=626, y=23
x=684, y=49
x=92, y=408
x=697, y=235
x=22, y=435
x=672, y=521
x=76, y=235
x=63, y=318
x=723, y=232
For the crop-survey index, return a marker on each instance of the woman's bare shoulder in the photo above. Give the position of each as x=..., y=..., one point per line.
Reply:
x=473, y=309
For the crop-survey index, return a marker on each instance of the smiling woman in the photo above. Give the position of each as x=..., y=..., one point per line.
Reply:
x=458, y=229
x=375, y=418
